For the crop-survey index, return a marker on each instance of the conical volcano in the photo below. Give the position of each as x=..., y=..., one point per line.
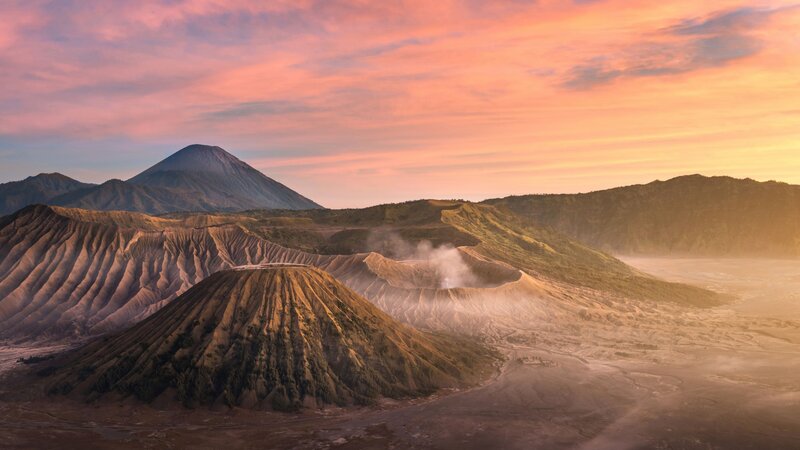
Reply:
x=220, y=179
x=195, y=178
x=277, y=337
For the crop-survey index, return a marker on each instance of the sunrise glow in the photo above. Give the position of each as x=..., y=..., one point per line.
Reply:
x=357, y=103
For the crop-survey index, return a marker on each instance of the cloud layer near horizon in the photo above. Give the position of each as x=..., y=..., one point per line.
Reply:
x=354, y=102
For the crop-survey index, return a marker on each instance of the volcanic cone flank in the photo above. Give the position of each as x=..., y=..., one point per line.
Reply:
x=269, y=337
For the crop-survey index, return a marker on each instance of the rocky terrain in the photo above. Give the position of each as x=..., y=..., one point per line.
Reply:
x=72, y=273
x=268, y=337
x=596, y=352
x=611, y=374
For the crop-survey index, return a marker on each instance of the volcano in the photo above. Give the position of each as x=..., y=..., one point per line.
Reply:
x=221, y=179
x=197, y=178
x=269, y=337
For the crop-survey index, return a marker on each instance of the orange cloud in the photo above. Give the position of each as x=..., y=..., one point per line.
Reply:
x=358, y=102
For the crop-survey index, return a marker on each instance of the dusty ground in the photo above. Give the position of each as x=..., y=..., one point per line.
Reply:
x=765, y=287
x=662, y=378
x=11, y=353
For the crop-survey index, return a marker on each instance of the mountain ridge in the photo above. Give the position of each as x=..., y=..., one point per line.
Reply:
x=198, y=178
x=691, y=215
x=68, y=273
x=40, y=188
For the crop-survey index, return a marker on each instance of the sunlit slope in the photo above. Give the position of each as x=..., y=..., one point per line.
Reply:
x=270, y=337
x=68, y=272
x=539, y=252
x=71, y=273
x=493, y=232
x=691, y=215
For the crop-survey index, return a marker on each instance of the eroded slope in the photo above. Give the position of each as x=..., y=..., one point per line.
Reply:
x=72, y=273
x=273, y=336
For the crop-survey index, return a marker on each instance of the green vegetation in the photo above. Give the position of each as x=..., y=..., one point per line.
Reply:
x=345, y=231
x=494, y=231
x=546, y=253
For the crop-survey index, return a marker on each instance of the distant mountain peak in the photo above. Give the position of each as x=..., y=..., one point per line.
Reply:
x=222, y=179
x=49, y=175
x=202, y=150
x=201, y=147
x=196, y=158
x=39, y=188
x=197, y=177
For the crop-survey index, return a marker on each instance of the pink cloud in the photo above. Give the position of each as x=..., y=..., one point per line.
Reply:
x=389, y=92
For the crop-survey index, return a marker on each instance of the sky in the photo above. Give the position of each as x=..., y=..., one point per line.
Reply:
x=354, y=103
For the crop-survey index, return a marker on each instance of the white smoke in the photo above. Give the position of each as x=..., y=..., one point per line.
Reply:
x=447, y=261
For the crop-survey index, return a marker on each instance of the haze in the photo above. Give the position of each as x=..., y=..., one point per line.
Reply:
x=361, y=103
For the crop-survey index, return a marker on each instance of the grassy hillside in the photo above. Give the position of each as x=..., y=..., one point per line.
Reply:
x=691, y=215
x=346, y=231
x=545, y=253
x=496, y=233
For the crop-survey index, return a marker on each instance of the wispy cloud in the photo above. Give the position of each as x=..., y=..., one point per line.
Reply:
x=259, y=108
x=692, y=44
x=740, y=20
x=359, y=57
x=651, y=60
x=398, y=96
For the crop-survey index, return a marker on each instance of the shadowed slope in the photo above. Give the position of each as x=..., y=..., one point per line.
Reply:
x=220, y=179
x=68, y=272
x=38, y=189
x=196, y=178
x=690, y=215
x=273, y=336
x=118, y=195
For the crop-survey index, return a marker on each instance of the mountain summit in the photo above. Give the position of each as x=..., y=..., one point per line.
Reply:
x=36, y=189
x=221, y=179
x=197, y=158
x=198, y=178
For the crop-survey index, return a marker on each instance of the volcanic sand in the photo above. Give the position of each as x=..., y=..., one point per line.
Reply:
x=583, y=370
